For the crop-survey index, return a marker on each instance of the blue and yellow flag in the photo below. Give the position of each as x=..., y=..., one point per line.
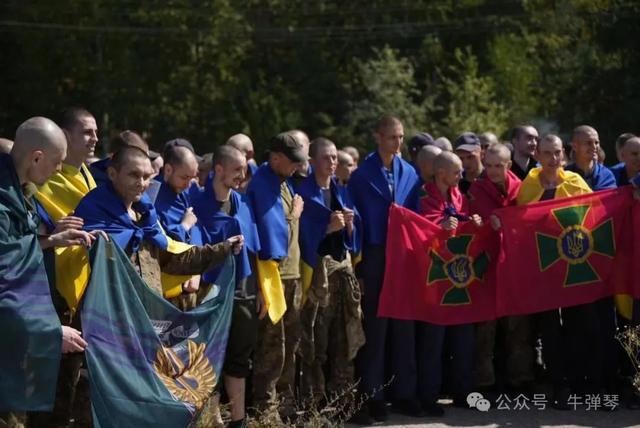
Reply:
x=149, y=363
x=314, y=222
x=273, y=231
x=31, y=334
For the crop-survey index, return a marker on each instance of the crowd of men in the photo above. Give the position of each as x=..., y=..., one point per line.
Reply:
x=308, y=228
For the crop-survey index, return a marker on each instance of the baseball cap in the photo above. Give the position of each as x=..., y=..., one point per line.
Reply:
x=178, y=142
x=289, y=146
x=419, y=140
x=468, y=141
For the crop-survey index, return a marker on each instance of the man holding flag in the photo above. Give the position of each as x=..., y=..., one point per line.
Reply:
x=222, y=213
x=550, y=181
x=383, y=178
x=445, y=205
x=277, y=210
x=331, y=314
x=497, y=188
x=32, y=329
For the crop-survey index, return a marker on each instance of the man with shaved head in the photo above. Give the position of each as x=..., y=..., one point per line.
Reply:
x=551, y=181
x=585, y=143
x=496, y=188
x=355, y=154
x=303, y=138
x=222, y=211
x=426, y=156
x=443, y=144
x=630, y=166
x=445, y=205
x=31, y=327
x=346, y=166
x=5, y=146
x=59, y=197
x=597, y=335
x=384, y=178
x=243, y=143
x=524, y=139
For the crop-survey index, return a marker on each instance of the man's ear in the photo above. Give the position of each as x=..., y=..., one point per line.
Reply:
x=112, y=173
x=509, y=163
x=36, y=156
x=167, y=169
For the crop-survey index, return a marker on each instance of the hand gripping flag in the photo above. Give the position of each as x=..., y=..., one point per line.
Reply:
x=564, y=252
x=149, y=363
x=433, y=276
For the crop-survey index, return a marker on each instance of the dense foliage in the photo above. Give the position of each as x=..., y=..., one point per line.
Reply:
x=206, y=69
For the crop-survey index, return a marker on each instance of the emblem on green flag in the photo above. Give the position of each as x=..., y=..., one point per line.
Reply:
x=460, y=269
x=575, y=244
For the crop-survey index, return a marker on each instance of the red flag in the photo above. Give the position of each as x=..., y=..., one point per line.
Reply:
x=433, y=276
x=564, y=252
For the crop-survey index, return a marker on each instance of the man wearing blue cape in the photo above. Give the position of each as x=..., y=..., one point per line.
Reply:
x=33, y=337
x=173, y=205
x=121, y=209
x=331, y=315
x=243, y=143
x=224, y=212
x=277, y=210
x=384, y=178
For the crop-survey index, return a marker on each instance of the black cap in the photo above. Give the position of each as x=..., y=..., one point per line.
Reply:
x=178, y=142
x=418, y=141
x=289, y=146
x=469, y=142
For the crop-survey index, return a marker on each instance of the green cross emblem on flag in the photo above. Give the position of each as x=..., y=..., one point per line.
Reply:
x=575, y=244
x=455, y=265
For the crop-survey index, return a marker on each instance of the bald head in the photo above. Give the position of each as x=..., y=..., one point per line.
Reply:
x=38, y=133
x=446, y=160
x=499, y=150
x=426, y=156
x=5, y=146
x=226, y=154
x=243, y=143
x=178, y=155
x=583, y=131
x=355, y=154
x=39, y=149
x=447, y=169
x=303, y=139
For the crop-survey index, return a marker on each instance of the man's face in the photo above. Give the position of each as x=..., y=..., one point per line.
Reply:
x=496, y=167
x=325, y=161
x=344, y=169
x=283, y=166
x=132, y=179
x=389, y=140
x=585, y=146
x=83, y=137
x=630, y=154
x=232, y=174
x=471, y=161
x=45, y=163
x=179, y=177
x=452, y=174
x=526, y=142
x=550, y=154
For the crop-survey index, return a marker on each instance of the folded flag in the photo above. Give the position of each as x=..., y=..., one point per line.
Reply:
x=149, y=363
x=434, y=276
x=565, y=252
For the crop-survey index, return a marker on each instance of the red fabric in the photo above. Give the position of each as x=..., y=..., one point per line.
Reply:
x=485, y=197
x=432, y=205
x=407, y=294
x=524, y=286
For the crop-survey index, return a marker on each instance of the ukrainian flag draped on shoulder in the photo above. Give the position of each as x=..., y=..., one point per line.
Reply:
x=102, y=209
x=273, y=231
x=59, y=197
x=372, y=196
x=31, y=335
x=315, y=220
x=149, y=363
x=531, y=189
x=171, y=207
x=215, y=226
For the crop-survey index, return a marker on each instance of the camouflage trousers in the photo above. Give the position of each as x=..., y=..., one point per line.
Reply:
x=519, y=351
x=332, y=334
x=274, y=372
